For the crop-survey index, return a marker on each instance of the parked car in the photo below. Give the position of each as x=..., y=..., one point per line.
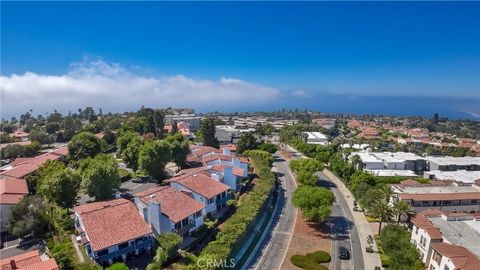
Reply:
x=343, y=253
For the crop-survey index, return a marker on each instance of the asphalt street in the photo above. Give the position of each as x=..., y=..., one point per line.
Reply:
x=274, y=247
x=342, y=230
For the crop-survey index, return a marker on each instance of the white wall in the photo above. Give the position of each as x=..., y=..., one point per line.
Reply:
x=416, y=238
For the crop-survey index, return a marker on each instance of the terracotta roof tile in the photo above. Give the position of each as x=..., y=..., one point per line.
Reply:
x=28, y=167
x=173, y=203
x=201, y=184
x=28, y=261
x=461, y=257
x=112, y=222
x=12, y=190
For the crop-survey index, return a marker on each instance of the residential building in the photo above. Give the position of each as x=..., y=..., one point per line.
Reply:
x=450, y=257
x=205, y=188
x=467, y=177
x=389, y=161
x=166, y=209
x=31, y=260
x=315, y=138
x=448, y=163
x=444, y=195
x=12, y=190
x=227, y=159
x=190, y=119
x=112, y=230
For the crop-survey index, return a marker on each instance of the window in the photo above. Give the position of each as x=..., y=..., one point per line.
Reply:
x=122, y=246
x=198, y=214
x=416, y=230
x=446, y=268
x=474, y=201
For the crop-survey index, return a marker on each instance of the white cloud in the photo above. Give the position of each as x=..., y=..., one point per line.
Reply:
x=114, y=87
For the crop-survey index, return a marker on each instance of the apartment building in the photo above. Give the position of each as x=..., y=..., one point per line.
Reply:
x=167, y=209
x=446, y=239
x=112, y=230
x=315, y=138
x=205, y=188
x=453, y=163
x=191, y=120
x=31, y=260
x=12, y=190
x=446, y=196
x=389, y=161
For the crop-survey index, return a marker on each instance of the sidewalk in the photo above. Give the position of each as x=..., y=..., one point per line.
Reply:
x=363, y=227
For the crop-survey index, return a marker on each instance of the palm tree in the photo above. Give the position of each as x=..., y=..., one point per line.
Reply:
x=383, y=211
x=386, y=192
x=400, y=207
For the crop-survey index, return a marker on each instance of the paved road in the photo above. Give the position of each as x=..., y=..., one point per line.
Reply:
x=125, y=187
x=343, y=231
x=275, y=246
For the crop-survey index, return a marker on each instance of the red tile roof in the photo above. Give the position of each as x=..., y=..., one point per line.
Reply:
x=28, y=167
x=28, y=261
x=111, y=223
x=173, y=203
x=201, y=184
x=440, y=196
x=461, y=257
x=235, y=170
x=223, y=157
x=12, y=190
x=61, y=151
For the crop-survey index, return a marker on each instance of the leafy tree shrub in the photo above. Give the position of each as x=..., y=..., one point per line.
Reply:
x=319, y=256
x=396, y=244
x=314, y=202
x=247, y=142
x=268, y=147
x=118, y=266
x=307, y=178
x=83, y=145
x=307, y=263
x=100, y=176
x=28, y=216
x=153, y=157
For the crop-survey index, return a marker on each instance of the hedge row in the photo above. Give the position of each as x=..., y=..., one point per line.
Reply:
x=236, y=227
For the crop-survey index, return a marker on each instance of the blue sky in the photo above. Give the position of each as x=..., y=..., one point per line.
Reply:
x=410, y=49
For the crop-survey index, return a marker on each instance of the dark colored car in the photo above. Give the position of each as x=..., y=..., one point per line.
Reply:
x=343, y=253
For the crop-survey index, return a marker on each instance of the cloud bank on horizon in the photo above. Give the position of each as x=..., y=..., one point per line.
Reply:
x=114, y=87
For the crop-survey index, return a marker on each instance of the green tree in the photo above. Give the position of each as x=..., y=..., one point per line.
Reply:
x=131, y=152
x=100, y=176
x=383, y=211
x=207, y=130
x=109, y=137
x=314, y=202
x=400, y=208
x=32, y=149
x=13, y=151
x=52, y=127
x=40, y=136
x=168, y=244
x=61, y=187
x=123, y=140
x=153, y=157
x=396, y=244
x=268, y=147
x=62, y=253
x=83, y=145
x=28, y=216
x=307, y=178
x=180, y=147
x=247, y=142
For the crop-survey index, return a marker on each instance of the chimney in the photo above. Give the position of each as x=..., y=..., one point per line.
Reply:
x=226, y=151
x=13, y=264
x=215, y=177
x=236, y=162
x=154, y=212
x=227, y=171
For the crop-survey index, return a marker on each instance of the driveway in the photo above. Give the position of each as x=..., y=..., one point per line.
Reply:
x=125, y=187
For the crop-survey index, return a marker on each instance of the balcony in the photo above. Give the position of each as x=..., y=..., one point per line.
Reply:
x=185, y=228
x=145, y=244
x=224, y=199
